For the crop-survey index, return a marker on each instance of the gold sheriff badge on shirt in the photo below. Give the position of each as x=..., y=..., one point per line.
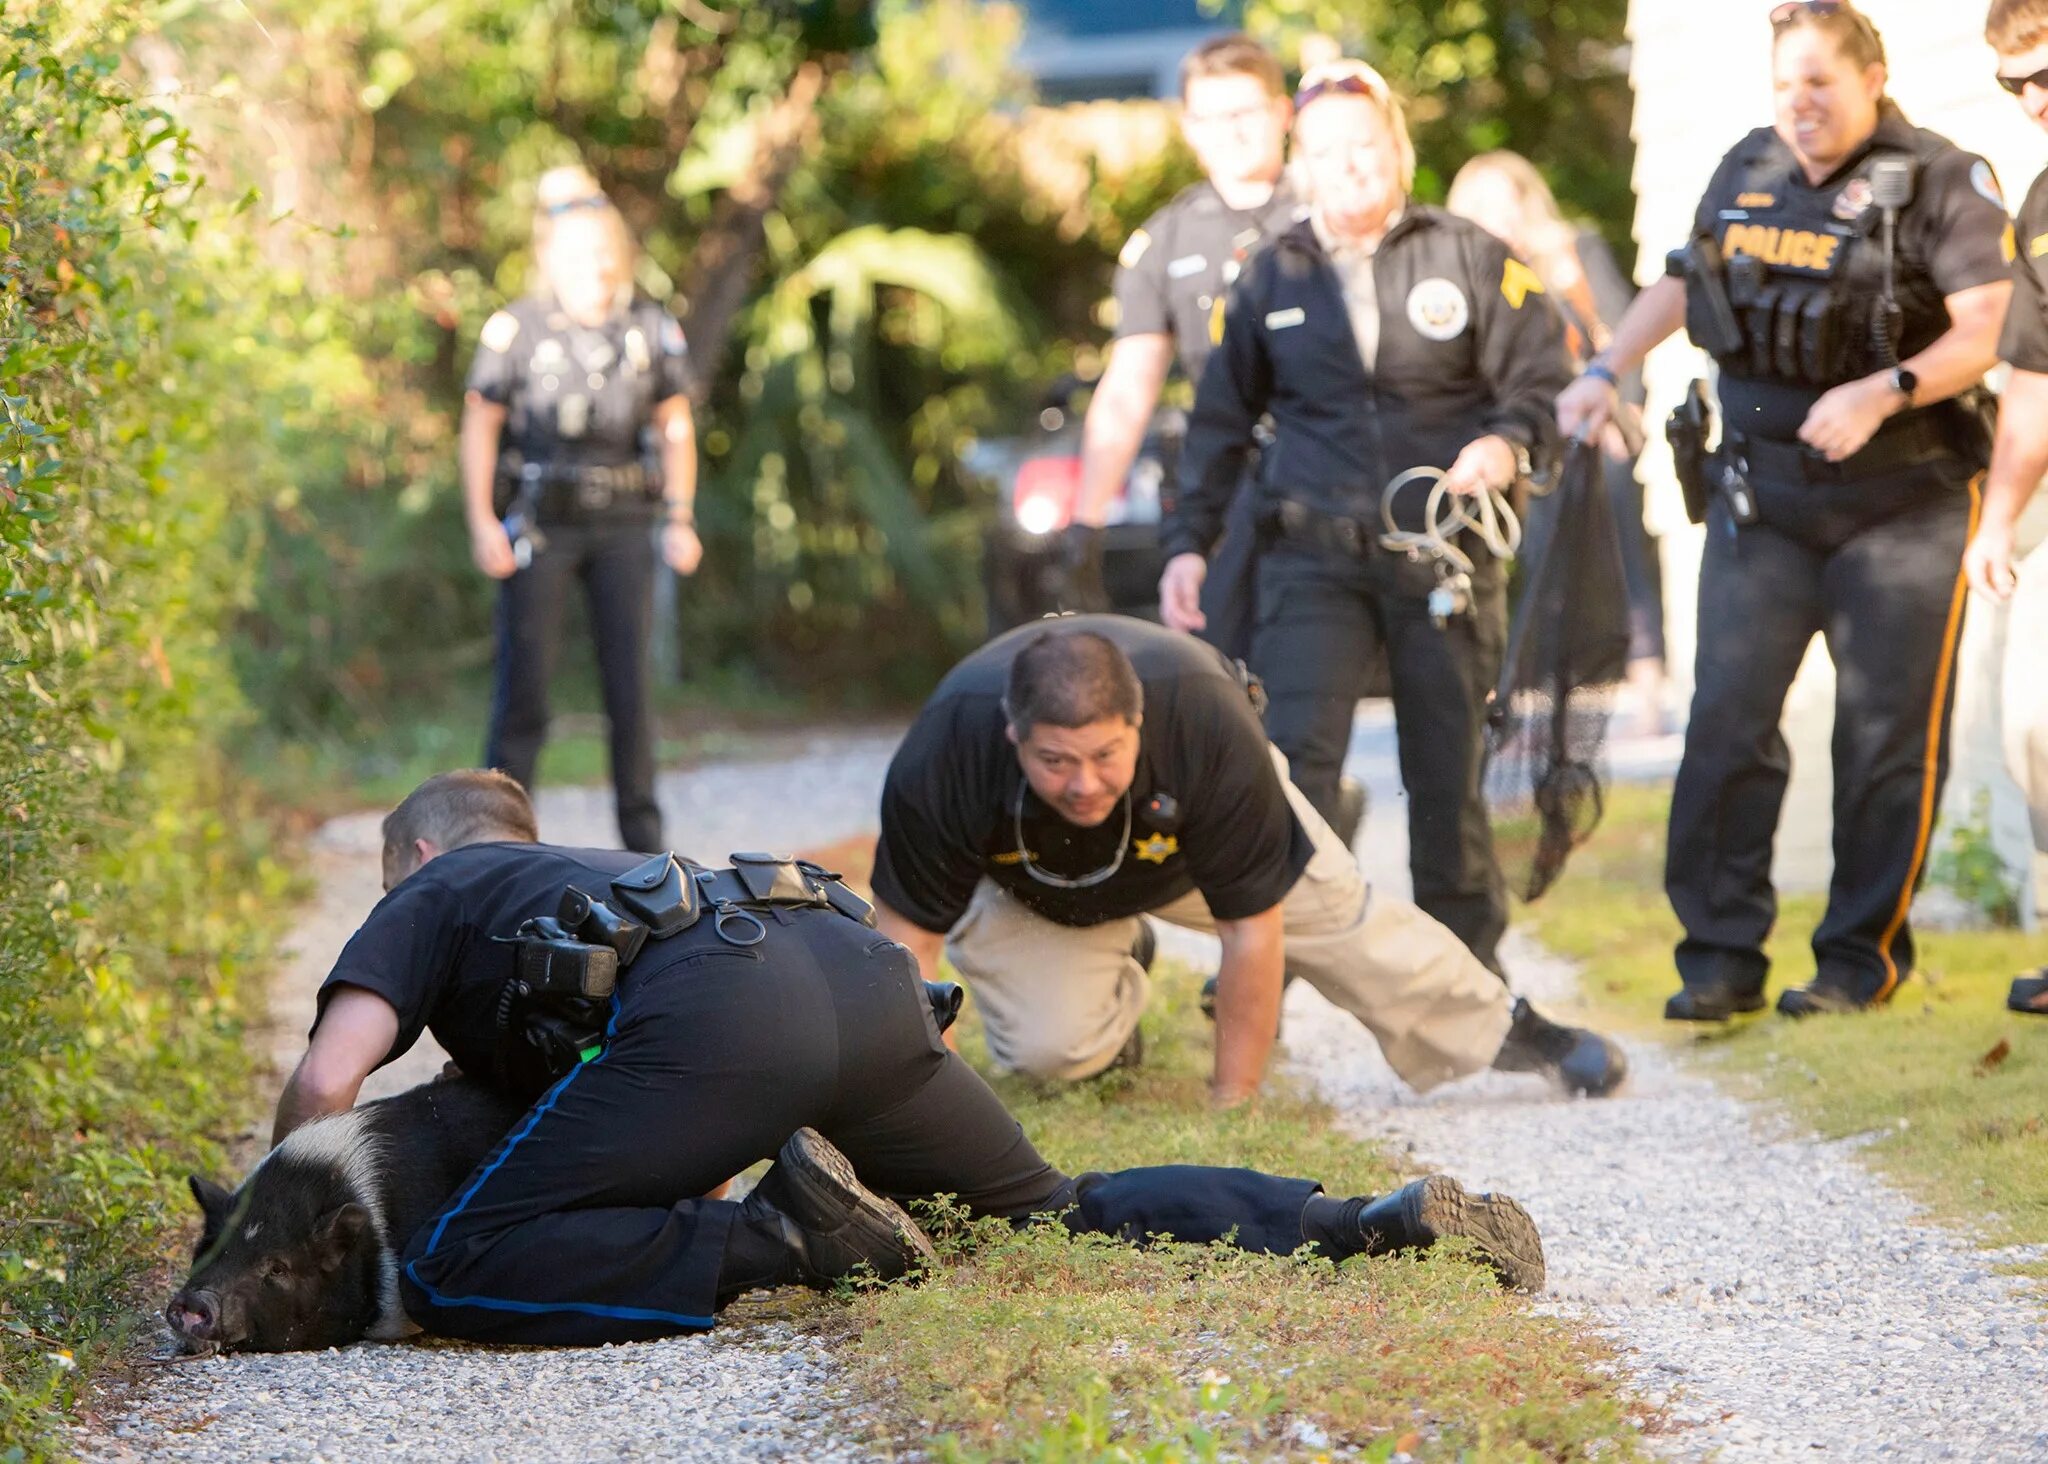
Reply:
x=1156, y=848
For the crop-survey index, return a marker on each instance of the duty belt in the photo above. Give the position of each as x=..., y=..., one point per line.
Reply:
x=1904, y=443
x=1298, y=523
x=561, y=491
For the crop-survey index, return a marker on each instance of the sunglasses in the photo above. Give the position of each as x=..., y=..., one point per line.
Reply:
x=2017, y=85
x=1356, y=86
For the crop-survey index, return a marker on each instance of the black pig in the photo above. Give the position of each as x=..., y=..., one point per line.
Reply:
x=305, y=1254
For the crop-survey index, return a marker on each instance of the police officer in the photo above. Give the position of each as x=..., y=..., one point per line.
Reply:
x=1382, y=336
x=1066, y=781
x=1171, y=281
x=577, y=442
x=2018, y=32
x=740, y=1008
x=1841, y=498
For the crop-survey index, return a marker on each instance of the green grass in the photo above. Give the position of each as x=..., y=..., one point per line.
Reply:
x=1035, y=1346
x=1966, y=1135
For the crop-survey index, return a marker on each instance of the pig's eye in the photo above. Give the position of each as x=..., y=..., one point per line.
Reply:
x=276, y=1269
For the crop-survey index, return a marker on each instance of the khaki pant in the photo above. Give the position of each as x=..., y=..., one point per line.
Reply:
x=1059, y=1001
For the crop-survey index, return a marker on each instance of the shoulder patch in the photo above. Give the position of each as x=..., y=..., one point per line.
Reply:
x=1517, y=283
x=499, y=332
x=1439, y=311
x=1134, y=249
x=1986, y=182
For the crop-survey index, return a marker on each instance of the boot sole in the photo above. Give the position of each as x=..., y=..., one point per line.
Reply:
x=1502, y=1230
x=824, y=1184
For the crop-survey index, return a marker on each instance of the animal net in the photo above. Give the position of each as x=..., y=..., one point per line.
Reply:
x=1567, y=649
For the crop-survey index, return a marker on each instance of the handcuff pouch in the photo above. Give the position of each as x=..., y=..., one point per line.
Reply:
x=660, y=895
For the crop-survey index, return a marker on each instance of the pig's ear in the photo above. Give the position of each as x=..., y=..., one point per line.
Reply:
x=336, y=1234
x=214, y=1202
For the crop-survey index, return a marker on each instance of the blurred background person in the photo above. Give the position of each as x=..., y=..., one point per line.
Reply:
x=578, y=448
x=1837, y=504
x=1380, y=335
x=1503, y=193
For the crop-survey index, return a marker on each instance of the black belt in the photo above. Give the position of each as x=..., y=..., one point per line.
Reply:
x=1297, y=523
x=1903, y=443
x=563, y=492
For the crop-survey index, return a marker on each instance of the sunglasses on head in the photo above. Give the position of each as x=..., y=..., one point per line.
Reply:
x=2017, y=85
x=1347, y=85
x=1791, y=10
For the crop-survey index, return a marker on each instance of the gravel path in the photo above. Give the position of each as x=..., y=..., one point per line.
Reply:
x=1780, y=1300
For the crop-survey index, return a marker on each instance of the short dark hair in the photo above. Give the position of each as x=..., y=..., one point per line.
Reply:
x=1071, y=678
x=468, y=806
x=1235, y=54
x=2014, y=26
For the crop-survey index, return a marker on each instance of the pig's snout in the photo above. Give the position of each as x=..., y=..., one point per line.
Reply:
x=195, y=1316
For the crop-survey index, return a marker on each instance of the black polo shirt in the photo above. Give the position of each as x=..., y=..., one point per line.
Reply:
x=955, y=795
x=1176, y=271
x=427, y=947
x=2025, y=340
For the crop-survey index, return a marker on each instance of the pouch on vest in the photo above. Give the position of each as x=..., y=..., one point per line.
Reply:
x=659, y=895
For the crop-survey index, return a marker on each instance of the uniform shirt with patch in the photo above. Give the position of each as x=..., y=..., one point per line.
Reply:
x=578, y=394
x=2024, y=341
x=428, y=947
x=1951, y=238
x=1175, y=273
x=948, y=807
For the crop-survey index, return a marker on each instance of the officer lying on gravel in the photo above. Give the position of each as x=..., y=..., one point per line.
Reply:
x=1064, y=782
x=669, y=1025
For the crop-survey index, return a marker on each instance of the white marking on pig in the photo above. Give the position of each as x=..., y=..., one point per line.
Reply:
x=253, y=1229
x=351, y=1145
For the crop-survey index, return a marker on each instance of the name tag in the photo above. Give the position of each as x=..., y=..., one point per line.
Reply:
x=1281, y=319
x=1186, y=265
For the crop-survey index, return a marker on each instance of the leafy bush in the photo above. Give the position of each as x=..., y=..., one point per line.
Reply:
x=131, y=903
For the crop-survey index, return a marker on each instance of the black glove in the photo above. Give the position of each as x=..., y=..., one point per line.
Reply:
x=1081, y=567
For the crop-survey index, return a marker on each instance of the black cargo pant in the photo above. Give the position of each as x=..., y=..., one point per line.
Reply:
x=1875, y=567
x=1324, y=618
x=1230, y=591
x=581, y=1226
x=614, y=560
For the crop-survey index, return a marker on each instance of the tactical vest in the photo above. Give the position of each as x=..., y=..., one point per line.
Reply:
x=1803, y=270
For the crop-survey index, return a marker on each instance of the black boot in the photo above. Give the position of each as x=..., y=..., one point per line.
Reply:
x=1819, y=999
x=810, y=1221
x=1351, y=807
x=1418, y=1215
x=1713, y=1002
x=1580, y=1059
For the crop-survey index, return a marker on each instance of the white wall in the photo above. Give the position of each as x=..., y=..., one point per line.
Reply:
x=1702, y=79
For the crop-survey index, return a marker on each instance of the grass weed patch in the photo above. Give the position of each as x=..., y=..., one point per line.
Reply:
x=1039, y=1346
x=1944, y=1082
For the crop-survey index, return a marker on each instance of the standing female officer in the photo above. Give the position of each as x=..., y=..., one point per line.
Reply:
x=576, y=439
x=1841, y=499
x=1382, y=336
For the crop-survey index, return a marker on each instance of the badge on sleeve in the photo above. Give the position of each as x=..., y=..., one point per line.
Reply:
x=1134, y=249
x=499, y=332
x=1438, y=310
x=1986, y=182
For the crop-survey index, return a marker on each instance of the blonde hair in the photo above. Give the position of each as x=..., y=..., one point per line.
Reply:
x=1543, y=235
x=1330, y=78
x=565, y=198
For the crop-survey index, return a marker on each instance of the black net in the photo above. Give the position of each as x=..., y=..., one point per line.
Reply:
x=1567, y=650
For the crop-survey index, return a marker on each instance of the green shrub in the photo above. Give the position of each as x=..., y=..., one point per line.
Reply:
x=133, y=885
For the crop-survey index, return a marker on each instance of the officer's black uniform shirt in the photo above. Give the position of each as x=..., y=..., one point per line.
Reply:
x=578, y=395
x=1951, y=236
x=948, y=805
x=1469, y=346
x=2025, y=340
x=1175, y=272
x=427, y=947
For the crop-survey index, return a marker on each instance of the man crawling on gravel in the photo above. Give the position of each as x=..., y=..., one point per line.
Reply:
x=632, y=1032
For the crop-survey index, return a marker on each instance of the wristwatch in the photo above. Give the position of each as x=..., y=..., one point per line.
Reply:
x=1905, y=383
